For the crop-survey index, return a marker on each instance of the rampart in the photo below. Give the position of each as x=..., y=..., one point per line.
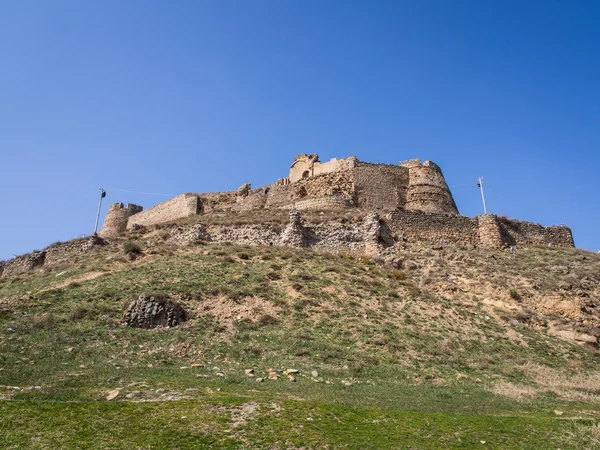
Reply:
x=59, y=252
x=414, y=196
x=183, y=205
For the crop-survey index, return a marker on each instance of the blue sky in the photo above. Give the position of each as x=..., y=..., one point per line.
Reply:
x=171, y=97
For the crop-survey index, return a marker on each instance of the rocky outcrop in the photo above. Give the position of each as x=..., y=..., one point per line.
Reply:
x=154, y=311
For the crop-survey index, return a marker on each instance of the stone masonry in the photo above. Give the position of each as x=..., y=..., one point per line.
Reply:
x=414, y=197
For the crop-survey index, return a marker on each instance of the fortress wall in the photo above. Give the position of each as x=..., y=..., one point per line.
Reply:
x=321, y=203
x=428, y=190
x=183, y=205
x=526, y=233
x=379, y=186
x=24, y=263
x=256, y=199
x=215, y=201
x=66, y=251
x=338, y=185
x=334, y=165
x=280, y=196
x=429, y=227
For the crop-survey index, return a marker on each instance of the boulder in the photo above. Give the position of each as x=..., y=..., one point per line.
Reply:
x=154, y=311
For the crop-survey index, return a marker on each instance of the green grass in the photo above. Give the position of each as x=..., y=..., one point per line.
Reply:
x=244, y=422
x=400, y=365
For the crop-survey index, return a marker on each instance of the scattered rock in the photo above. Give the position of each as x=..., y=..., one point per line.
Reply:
x=112, y=395
x=260, y=380
x=558, y=413
x=160, y=391
x=291, y=378
x=249, y=372
x=154, y=311
x=192, y=390
x=314, y=373
x=410, y=265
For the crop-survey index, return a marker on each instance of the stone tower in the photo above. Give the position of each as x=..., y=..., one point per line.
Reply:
x=116, y=218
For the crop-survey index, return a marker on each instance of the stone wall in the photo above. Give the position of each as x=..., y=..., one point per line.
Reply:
x=23, y=264
x=216, y=201
x=379, y=186
x=252, y=199
x=415, y=226
x=183, y=205
x=117, y=217
x=490, y=234
x=337, y=186
x=515, y=232
x=62, y=252
x=321, y=203
x=307, y=166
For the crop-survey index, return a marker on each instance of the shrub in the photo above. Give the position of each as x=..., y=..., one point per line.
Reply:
x=132, y=248
x=267, y=319
x=514, y=294
x=78, y=312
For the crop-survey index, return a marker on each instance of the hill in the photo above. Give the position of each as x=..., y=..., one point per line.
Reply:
x=418, y=346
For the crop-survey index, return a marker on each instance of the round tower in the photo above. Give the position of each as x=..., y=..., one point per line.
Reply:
x=116, y=218
x=427, y=190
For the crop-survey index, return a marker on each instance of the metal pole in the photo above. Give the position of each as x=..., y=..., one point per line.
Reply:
x=102, y=195
x=480, y=185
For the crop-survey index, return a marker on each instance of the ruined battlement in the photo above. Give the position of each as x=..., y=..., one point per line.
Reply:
x=415, y=193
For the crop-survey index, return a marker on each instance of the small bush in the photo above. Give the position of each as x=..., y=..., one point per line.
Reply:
x=514, y=294
x=44, y=321
x=267, y=319
x=132, y=248
x=78, y=313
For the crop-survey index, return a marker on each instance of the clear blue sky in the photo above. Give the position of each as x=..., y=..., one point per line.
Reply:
x=171, y=97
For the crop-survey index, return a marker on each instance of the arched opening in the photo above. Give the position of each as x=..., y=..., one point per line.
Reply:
x=305, y=174
x=267, y=190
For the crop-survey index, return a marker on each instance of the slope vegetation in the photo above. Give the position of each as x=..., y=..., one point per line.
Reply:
x=458, y=348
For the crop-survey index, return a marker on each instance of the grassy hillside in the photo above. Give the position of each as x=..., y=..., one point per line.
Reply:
x=464, y=348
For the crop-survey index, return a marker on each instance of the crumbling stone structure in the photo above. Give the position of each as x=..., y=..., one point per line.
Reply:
x=57, y=253
x=413, y=195
x=117, y=218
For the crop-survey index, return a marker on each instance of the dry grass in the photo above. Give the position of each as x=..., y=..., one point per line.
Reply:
x=575, y=385
x=516, y=392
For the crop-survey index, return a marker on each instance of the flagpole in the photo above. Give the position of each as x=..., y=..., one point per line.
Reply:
x=102, y=195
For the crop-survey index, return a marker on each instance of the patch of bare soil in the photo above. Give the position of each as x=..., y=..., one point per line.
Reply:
x=228, y=311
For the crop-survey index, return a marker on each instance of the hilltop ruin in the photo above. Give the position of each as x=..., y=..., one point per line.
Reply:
x=412, y=198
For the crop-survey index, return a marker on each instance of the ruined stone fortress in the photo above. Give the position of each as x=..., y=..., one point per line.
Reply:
x=411, y=199
x=392, y=205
